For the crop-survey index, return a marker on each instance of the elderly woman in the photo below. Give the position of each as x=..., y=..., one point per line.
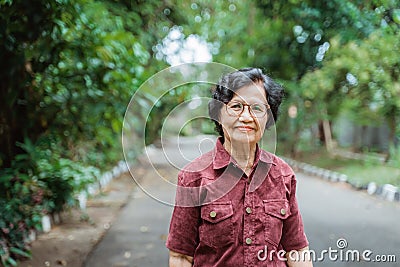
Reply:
x=242, y=210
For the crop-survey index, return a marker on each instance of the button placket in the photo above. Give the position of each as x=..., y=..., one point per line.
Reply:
x=248, y=233
x=246, y=226
x=248, y=210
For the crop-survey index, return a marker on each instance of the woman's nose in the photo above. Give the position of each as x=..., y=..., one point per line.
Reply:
x=246, y=114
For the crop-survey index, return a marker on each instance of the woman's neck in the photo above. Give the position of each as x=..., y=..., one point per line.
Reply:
x=243, y=153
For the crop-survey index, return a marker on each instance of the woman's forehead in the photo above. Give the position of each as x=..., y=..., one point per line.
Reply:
x=253, y=91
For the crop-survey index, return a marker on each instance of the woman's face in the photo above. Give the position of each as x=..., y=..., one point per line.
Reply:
x=245, y=127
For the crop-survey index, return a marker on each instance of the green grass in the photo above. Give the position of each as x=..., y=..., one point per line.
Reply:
x=358, y=171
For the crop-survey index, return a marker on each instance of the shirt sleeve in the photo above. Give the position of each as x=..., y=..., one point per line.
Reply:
x=293, y=236
x=183, y=234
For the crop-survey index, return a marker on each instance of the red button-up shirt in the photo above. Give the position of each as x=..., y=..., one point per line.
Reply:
x=231, y=219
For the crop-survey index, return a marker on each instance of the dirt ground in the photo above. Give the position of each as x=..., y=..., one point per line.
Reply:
x=69, y=242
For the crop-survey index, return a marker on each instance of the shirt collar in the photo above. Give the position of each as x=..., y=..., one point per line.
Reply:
x=222, y=158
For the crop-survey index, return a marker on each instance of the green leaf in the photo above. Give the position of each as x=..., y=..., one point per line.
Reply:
x=396, y=15
x=11, y=261
x=20, y=252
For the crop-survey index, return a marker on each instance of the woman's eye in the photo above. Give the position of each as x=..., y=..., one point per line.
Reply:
x=236, y=106
x=257, y=107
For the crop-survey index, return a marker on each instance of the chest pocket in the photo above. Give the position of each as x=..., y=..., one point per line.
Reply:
x=216, y=229
x=276, y=211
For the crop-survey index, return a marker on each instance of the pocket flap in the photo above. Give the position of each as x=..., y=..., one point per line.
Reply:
x=217, y=212
x=277, y=207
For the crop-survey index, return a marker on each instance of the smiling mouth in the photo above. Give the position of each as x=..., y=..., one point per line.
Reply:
x=245, y=128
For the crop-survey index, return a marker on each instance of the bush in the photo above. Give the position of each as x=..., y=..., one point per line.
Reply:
x=47, y=186
x=21, y=208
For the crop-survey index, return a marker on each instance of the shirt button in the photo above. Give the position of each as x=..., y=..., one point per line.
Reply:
x=248, y=210
x=248, y=241
x=283, y=211
x=213, y=214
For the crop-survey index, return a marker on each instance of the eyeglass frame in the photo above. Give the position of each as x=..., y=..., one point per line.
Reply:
x=268, y=107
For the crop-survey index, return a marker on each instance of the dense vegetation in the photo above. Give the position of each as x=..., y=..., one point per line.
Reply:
x=69, y=68
x=332, y=56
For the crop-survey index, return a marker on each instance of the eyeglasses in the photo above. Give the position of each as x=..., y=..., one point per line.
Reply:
x=235, y=109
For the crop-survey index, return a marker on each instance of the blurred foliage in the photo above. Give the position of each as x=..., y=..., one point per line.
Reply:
x=68, y=70
x=290, y=39
x=75, y=63
x=282, y=36
x=176, y=103
x=161, y=110
x=361, y=78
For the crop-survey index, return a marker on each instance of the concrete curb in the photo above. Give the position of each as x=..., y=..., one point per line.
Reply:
x=102, y=182
x=388, y=192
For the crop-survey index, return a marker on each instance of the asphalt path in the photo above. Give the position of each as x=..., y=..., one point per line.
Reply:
x=342, y=224
x=337, y=218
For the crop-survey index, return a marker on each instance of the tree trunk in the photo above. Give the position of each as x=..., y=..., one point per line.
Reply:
x=327, y=135
x=321, y=134
x=392, y=134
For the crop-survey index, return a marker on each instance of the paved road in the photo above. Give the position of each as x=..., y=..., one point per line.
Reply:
x=330, y=212
x=335, y=211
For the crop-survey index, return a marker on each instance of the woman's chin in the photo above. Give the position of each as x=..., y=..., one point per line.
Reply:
x=244, y=138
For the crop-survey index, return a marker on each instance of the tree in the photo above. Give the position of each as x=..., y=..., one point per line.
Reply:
x=25, y=30
x=363, y=78
x=68, y=71
x=287, y=38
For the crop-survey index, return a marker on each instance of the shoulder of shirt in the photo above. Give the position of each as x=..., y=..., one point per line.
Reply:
x=279, y=167
x=197, y=168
